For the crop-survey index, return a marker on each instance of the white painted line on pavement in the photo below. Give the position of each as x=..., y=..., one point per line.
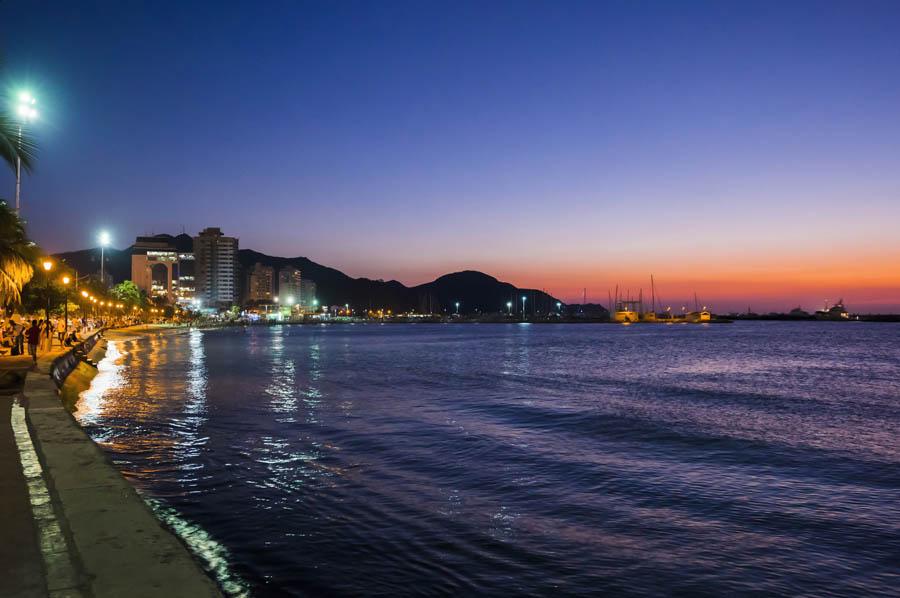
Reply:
x=54, y=549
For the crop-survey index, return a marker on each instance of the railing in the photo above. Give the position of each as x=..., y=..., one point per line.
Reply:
x=63, y=365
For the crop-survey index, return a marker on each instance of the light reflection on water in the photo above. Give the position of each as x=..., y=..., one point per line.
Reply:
x=89, y=408
x=521, y=459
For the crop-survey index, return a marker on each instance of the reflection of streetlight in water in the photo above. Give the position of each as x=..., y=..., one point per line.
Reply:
x=90, y=406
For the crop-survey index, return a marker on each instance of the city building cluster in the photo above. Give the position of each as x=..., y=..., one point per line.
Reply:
x=203, y=273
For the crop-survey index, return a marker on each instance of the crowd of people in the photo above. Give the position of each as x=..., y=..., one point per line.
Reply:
x=19, y=335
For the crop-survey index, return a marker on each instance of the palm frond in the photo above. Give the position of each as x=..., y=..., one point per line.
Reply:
x=17, y=254
x=14, y=273
x=14, y=145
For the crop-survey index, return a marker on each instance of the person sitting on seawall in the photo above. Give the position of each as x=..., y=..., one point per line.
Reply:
x=72, y=339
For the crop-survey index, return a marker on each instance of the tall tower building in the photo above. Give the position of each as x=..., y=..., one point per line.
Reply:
x=215, y=268
x=260, y=283
x=289, y=284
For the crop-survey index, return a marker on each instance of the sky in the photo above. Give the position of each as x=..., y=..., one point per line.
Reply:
x=748, y=152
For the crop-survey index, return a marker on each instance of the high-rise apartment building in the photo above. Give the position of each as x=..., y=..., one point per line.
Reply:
x=308, y=294
x=260, y=284
x=215, y=268
x=289, y=279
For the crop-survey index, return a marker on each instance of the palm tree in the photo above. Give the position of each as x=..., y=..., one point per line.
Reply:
x=15, y=144
x=17, y=253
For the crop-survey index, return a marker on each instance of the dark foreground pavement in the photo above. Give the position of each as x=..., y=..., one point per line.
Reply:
x=21, y=569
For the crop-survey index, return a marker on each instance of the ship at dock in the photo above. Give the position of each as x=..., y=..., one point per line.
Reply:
x=836, y=312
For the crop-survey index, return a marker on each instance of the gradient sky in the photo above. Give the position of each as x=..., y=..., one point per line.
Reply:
x=748, y=151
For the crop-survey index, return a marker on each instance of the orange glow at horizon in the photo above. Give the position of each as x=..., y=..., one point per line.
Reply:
x=867, y=281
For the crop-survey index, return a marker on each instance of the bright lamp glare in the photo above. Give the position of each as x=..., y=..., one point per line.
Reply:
x=104, y=238
x=25, y=97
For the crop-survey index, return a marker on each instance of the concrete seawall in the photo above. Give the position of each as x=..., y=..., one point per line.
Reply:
x=97, y=536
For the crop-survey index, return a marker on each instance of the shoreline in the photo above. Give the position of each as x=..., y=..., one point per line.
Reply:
x=111, y=542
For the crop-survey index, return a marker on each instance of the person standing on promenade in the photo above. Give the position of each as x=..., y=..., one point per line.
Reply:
x=42, y=336
x=61, y=330
x=19, y=337
x=34, y=337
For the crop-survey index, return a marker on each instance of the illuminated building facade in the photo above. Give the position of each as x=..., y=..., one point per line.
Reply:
x=215, y=268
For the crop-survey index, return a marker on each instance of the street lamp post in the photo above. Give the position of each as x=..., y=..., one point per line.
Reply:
x=66, y=280
x=104, y=239
x=509, y=307
x=48, y=265
x=523, y=307
x=26, y=112
x=457, y=308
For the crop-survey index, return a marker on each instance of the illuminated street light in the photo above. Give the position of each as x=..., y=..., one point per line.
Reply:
x=457, y=308
x=48, y=265
x=66, y=280
x=104, y=240
x=509, y=307
x=523, y=307
x=27, y=112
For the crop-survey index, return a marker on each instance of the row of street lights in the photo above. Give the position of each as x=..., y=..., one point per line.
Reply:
x=90, y=299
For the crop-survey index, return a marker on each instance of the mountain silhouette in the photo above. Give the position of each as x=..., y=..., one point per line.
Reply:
x=476, y=292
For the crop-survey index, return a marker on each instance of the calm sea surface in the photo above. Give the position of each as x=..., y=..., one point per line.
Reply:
x=757, y=457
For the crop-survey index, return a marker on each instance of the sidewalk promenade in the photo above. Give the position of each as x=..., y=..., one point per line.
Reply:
x=72, y=525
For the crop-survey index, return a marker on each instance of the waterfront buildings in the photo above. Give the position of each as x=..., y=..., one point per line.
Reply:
x=289, y=285
x=260, y=284
x=215, y=268
x=308, y=295
x=162, y=266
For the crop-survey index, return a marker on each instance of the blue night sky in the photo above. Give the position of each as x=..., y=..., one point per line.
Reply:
x=749, y=150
